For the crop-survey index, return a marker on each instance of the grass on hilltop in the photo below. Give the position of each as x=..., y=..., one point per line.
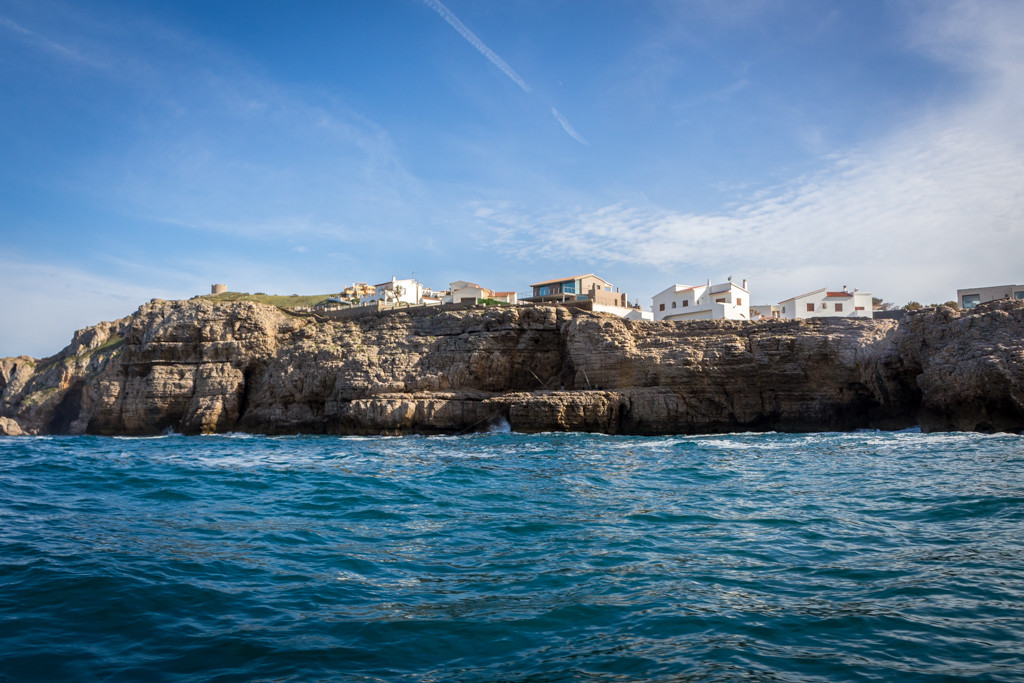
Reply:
x=282, y=301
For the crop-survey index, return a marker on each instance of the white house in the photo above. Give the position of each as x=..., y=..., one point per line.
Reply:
x=822, y=303
x=469, y=292
x=725, y=301
x=506, y=297
x=766, y=312
x=627, y=312
x=462, y=292
x=406, y=291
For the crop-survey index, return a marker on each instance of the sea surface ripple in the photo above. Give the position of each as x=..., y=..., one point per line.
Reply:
x=868, y=556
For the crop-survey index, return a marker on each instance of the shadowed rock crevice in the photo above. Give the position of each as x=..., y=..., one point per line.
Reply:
x=203, y=367
x=67, y=410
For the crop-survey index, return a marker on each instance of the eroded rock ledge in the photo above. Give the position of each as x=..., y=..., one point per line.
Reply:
x=200, y=367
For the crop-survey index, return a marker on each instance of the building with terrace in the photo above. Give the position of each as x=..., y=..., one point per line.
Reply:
x=725, y=301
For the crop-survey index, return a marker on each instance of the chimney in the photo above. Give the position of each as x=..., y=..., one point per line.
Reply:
x=744, y=283
x=844, y=288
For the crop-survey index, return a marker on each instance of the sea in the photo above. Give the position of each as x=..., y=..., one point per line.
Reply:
x=864, y=556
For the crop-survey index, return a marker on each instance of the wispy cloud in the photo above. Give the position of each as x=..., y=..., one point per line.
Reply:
x=45, y=43
x=52, y=302
x=567, y=127
x=44, y=302
x=916, y=212
x=211, y=145
x=471, y=38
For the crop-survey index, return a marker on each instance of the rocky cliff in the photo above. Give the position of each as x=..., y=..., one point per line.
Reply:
x=200, y=367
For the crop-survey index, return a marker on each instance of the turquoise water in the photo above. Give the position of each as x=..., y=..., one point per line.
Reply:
x=558, y=557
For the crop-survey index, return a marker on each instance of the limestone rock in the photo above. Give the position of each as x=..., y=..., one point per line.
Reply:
x=10, y=427
x=971, y=366
x=202, y=367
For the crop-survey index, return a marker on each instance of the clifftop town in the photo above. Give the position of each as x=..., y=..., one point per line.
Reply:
x=206, y=367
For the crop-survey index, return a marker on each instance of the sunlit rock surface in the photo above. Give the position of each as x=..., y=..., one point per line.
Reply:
x=200, y=367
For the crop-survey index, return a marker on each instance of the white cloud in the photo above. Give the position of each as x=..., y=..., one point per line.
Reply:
x=258, y=161
x=45, y=304
x=39, y=40
x=930, y=208
x=205, y=141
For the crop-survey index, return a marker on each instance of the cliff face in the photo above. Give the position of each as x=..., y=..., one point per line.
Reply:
x=199, y=366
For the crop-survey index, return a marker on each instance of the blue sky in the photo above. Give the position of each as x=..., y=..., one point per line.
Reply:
x=151, y=149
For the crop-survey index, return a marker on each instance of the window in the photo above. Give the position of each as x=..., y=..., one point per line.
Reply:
x=739, y=301
x=542, y=291
x=1019, y=295
x=810, y=308
x=839, y=308
x=569, y=288
x=673, y=304
x=661, y=307
x=971, y=300
x=858, y=308
x=686, y=302
x=719, y=301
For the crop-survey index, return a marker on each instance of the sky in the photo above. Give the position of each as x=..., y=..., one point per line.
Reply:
x=151, y=149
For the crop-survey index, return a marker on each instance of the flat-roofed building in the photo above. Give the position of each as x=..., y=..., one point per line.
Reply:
x=766, y=312
x=725, y=301
x=969, y=298
x=357, y=290
x=589, y=291
x=406, y=291
x=587, y=287
x=462, y=292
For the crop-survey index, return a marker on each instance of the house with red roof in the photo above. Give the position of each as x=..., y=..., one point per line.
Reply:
x=825, y=303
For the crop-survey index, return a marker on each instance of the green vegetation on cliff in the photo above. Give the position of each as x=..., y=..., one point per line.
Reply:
x=282, y=301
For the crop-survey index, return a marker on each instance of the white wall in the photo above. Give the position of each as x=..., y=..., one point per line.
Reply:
x=469, y=293
x=700, y=302
x=825, y=306
x=766, y=310
x=412, y=292
x=628, y=313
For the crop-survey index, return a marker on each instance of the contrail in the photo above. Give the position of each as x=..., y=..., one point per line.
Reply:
x=569, y=129
x=497, y=61
x=42, y=40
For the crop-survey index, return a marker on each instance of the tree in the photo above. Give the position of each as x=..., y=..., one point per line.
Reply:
x=882, y=305
x=394, y=295
x=913, y=306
